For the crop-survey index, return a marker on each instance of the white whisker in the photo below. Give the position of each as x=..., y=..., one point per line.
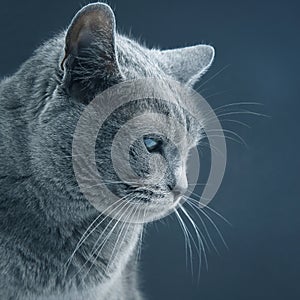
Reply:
x=200, y=242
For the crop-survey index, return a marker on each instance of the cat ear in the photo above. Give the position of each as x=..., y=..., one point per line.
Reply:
x=187, y=64
x=90, y=62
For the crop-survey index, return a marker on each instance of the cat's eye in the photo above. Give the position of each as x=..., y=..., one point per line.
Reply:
x=152, y=144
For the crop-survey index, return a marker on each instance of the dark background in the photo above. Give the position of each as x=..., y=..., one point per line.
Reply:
x=258, y=43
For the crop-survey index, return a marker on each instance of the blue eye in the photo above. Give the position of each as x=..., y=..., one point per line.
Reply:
x=152, y=144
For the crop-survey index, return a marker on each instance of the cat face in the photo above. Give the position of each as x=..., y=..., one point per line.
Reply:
x=141, y=153
x=142, y=147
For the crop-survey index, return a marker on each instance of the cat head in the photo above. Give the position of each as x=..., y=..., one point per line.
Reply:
x=97, y=59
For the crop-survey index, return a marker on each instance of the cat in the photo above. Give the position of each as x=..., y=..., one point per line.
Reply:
x=43, y=213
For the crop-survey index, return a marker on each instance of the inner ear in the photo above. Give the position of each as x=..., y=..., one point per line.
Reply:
x=90, y=61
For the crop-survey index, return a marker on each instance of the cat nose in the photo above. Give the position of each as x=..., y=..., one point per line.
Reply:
x=179, y=191
x=180, y=188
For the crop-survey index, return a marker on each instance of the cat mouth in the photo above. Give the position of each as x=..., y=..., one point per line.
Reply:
x=142, y=205
x=147, y=196
x=154, y=202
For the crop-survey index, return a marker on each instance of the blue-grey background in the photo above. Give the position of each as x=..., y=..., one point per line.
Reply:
x=258, y=43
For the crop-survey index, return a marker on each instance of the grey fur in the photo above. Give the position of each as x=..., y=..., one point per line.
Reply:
x=42, y=212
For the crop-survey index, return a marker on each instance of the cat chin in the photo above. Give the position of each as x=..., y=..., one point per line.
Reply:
x=158, y=209
x=148, y=212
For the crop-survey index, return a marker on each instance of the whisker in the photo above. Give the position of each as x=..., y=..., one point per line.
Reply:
x=84, y=236
x=214, y=225
x=203, y=224
x=243, y=112
x=237, y=122
x=228, y=137
x=103, y=243
x=215, y=94
x=187, y=243
x=200, y=242
x=238, y=104
x=212, y=77
x=102, y=233
x=228, y=108
x=210, y=147
x=142, y=234
x=196, y=205
x=119, y=236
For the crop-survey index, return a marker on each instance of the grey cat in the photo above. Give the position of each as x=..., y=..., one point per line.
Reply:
x=43, y=213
